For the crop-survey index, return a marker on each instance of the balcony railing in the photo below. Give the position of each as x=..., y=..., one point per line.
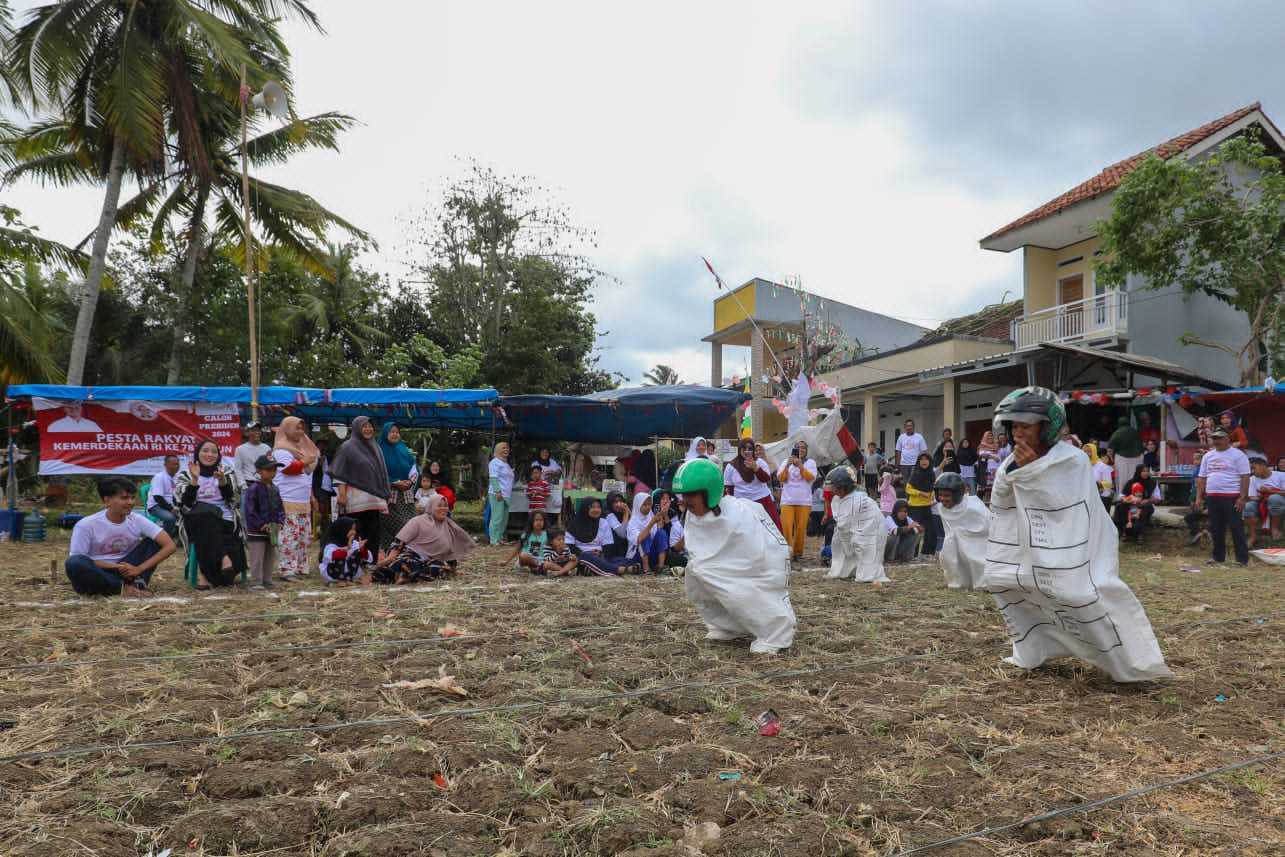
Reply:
x=1097, y=317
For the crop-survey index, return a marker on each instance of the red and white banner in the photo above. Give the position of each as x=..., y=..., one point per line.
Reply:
x=129, y=436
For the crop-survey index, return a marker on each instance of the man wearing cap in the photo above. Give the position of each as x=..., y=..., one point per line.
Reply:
x=1222, y=487
x=248, y=453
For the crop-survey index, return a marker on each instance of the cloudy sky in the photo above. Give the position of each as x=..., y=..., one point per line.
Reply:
x=862, y=147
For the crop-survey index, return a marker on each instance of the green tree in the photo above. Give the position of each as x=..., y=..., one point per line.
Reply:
x=29, y=322
x=506, y=274
x=115, y=73
x=1214, y=226
x=661, y=376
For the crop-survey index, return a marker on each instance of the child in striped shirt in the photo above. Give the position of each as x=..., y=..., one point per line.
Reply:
x=559, y=561
x=537, y=490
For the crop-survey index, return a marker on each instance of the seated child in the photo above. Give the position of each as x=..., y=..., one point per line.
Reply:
x=648, y=540
x=530, y=550
x=967, y=522
x=859, y=532
x=903, y=534
x=557, y=559
x=1053, y=558
x=344, y=555
x=738, y=570
x=676, y=556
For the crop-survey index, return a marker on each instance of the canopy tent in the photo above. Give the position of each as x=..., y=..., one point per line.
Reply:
x=412, y=408
x=631, y=415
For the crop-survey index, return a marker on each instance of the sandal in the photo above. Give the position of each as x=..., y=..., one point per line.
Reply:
x=203, y=587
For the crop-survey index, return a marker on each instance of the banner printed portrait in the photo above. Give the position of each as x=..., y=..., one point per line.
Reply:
x=128, y=436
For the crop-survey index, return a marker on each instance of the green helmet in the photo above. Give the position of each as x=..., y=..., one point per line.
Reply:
x=1032, y=405
x=700, y=474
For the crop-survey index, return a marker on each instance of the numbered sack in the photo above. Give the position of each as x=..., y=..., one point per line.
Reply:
x=1053, y=565
x=963, y=552
x=859, y=539
x=738, y=574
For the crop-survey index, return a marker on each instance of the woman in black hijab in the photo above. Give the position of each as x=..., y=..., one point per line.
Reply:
x=922, y=480
x=588, y=536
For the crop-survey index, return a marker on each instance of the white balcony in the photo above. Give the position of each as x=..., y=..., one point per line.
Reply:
x=1103, y=316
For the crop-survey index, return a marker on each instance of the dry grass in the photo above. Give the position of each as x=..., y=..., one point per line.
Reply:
x=875, y=754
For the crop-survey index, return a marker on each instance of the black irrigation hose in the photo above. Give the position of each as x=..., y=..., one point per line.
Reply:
x=1089, y=806
x=159, y=620
x=364, y=644
x=588, y=701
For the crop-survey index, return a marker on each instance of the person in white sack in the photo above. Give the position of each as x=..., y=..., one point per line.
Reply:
x=1052, y=560
x=738, y=563
x=859, y=531
x=967, y=522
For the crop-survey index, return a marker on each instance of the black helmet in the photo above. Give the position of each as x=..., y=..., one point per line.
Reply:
x=1032, y=405
x=841, y=477
x=952, y=482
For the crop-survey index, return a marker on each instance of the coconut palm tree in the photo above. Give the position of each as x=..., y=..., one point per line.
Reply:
x=116, y=73
x=337, y=304
x=27, y=322
x=661, y=376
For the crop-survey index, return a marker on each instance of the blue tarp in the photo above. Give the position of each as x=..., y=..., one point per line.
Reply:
x=461, y=409
x=632, y=415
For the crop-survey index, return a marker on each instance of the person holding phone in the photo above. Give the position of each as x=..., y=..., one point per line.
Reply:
x=796, y=477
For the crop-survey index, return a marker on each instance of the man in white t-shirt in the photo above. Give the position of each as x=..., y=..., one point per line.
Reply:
x=910, y=445
x=1222, y=486
x=1266, y=499
x=248, y=453
x=74, y=420
x=113, y=552
x=160, y=496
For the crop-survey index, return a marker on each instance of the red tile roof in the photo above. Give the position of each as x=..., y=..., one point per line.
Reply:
x=1109, y=179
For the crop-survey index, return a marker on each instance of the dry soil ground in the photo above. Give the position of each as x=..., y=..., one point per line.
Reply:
x=879, y=753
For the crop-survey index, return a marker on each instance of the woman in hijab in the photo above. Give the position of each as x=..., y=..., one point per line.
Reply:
x=1235, y=431
x=920, y=498
x=643, y=472
x=750, y=478
x=700, y=448
x=549, y=466
x=296, y=457
x=1137, y=504
x=403, y=476
x=648, y=540
x=208, y=502
x=616, y=510
x=427, y=547
x=966, y=455
x=361, y=478
x=588, y=536
x=903, y=534
x=987, y=459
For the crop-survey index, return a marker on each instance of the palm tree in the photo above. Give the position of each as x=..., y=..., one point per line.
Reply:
x=337, y=305
x=661, y=376
x=114, y=72
x=27, y=323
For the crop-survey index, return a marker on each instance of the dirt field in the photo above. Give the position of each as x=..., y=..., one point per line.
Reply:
x=900, y=725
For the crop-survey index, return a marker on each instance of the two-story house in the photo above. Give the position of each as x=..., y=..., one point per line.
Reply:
x=1063, y=302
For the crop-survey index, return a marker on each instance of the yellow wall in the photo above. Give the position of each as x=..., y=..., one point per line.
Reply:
x=1042, y=272
x=734, y=307
x=913, y=360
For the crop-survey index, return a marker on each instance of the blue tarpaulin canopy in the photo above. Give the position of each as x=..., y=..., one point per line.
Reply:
x=629, y=415
x=412, y=408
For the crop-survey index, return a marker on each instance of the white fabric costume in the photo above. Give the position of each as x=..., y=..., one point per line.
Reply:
x=1053, y=566
x=859, y=539
x=963, y=553
x=738, y=574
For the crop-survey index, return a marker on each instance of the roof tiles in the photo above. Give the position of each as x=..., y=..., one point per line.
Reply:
x=1109, y=179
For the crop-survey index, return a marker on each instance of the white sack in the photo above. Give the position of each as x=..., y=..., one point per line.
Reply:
x=822, y=439
x=859, y=539
x=1271, y=556
x=963, y=552
x=738, y=574
x=1053, y=566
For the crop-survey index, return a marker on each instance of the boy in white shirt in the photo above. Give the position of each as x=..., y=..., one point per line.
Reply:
x=114, y=552
x=1266, y=499
x=160, y=497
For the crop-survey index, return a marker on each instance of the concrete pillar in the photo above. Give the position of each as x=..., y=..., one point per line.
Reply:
x=952, y=410
x=716, y=364
x=869, y=419
x=758, y=362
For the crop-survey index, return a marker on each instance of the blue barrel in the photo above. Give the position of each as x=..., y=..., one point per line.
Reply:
x=33, y=528
x=11, y=523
